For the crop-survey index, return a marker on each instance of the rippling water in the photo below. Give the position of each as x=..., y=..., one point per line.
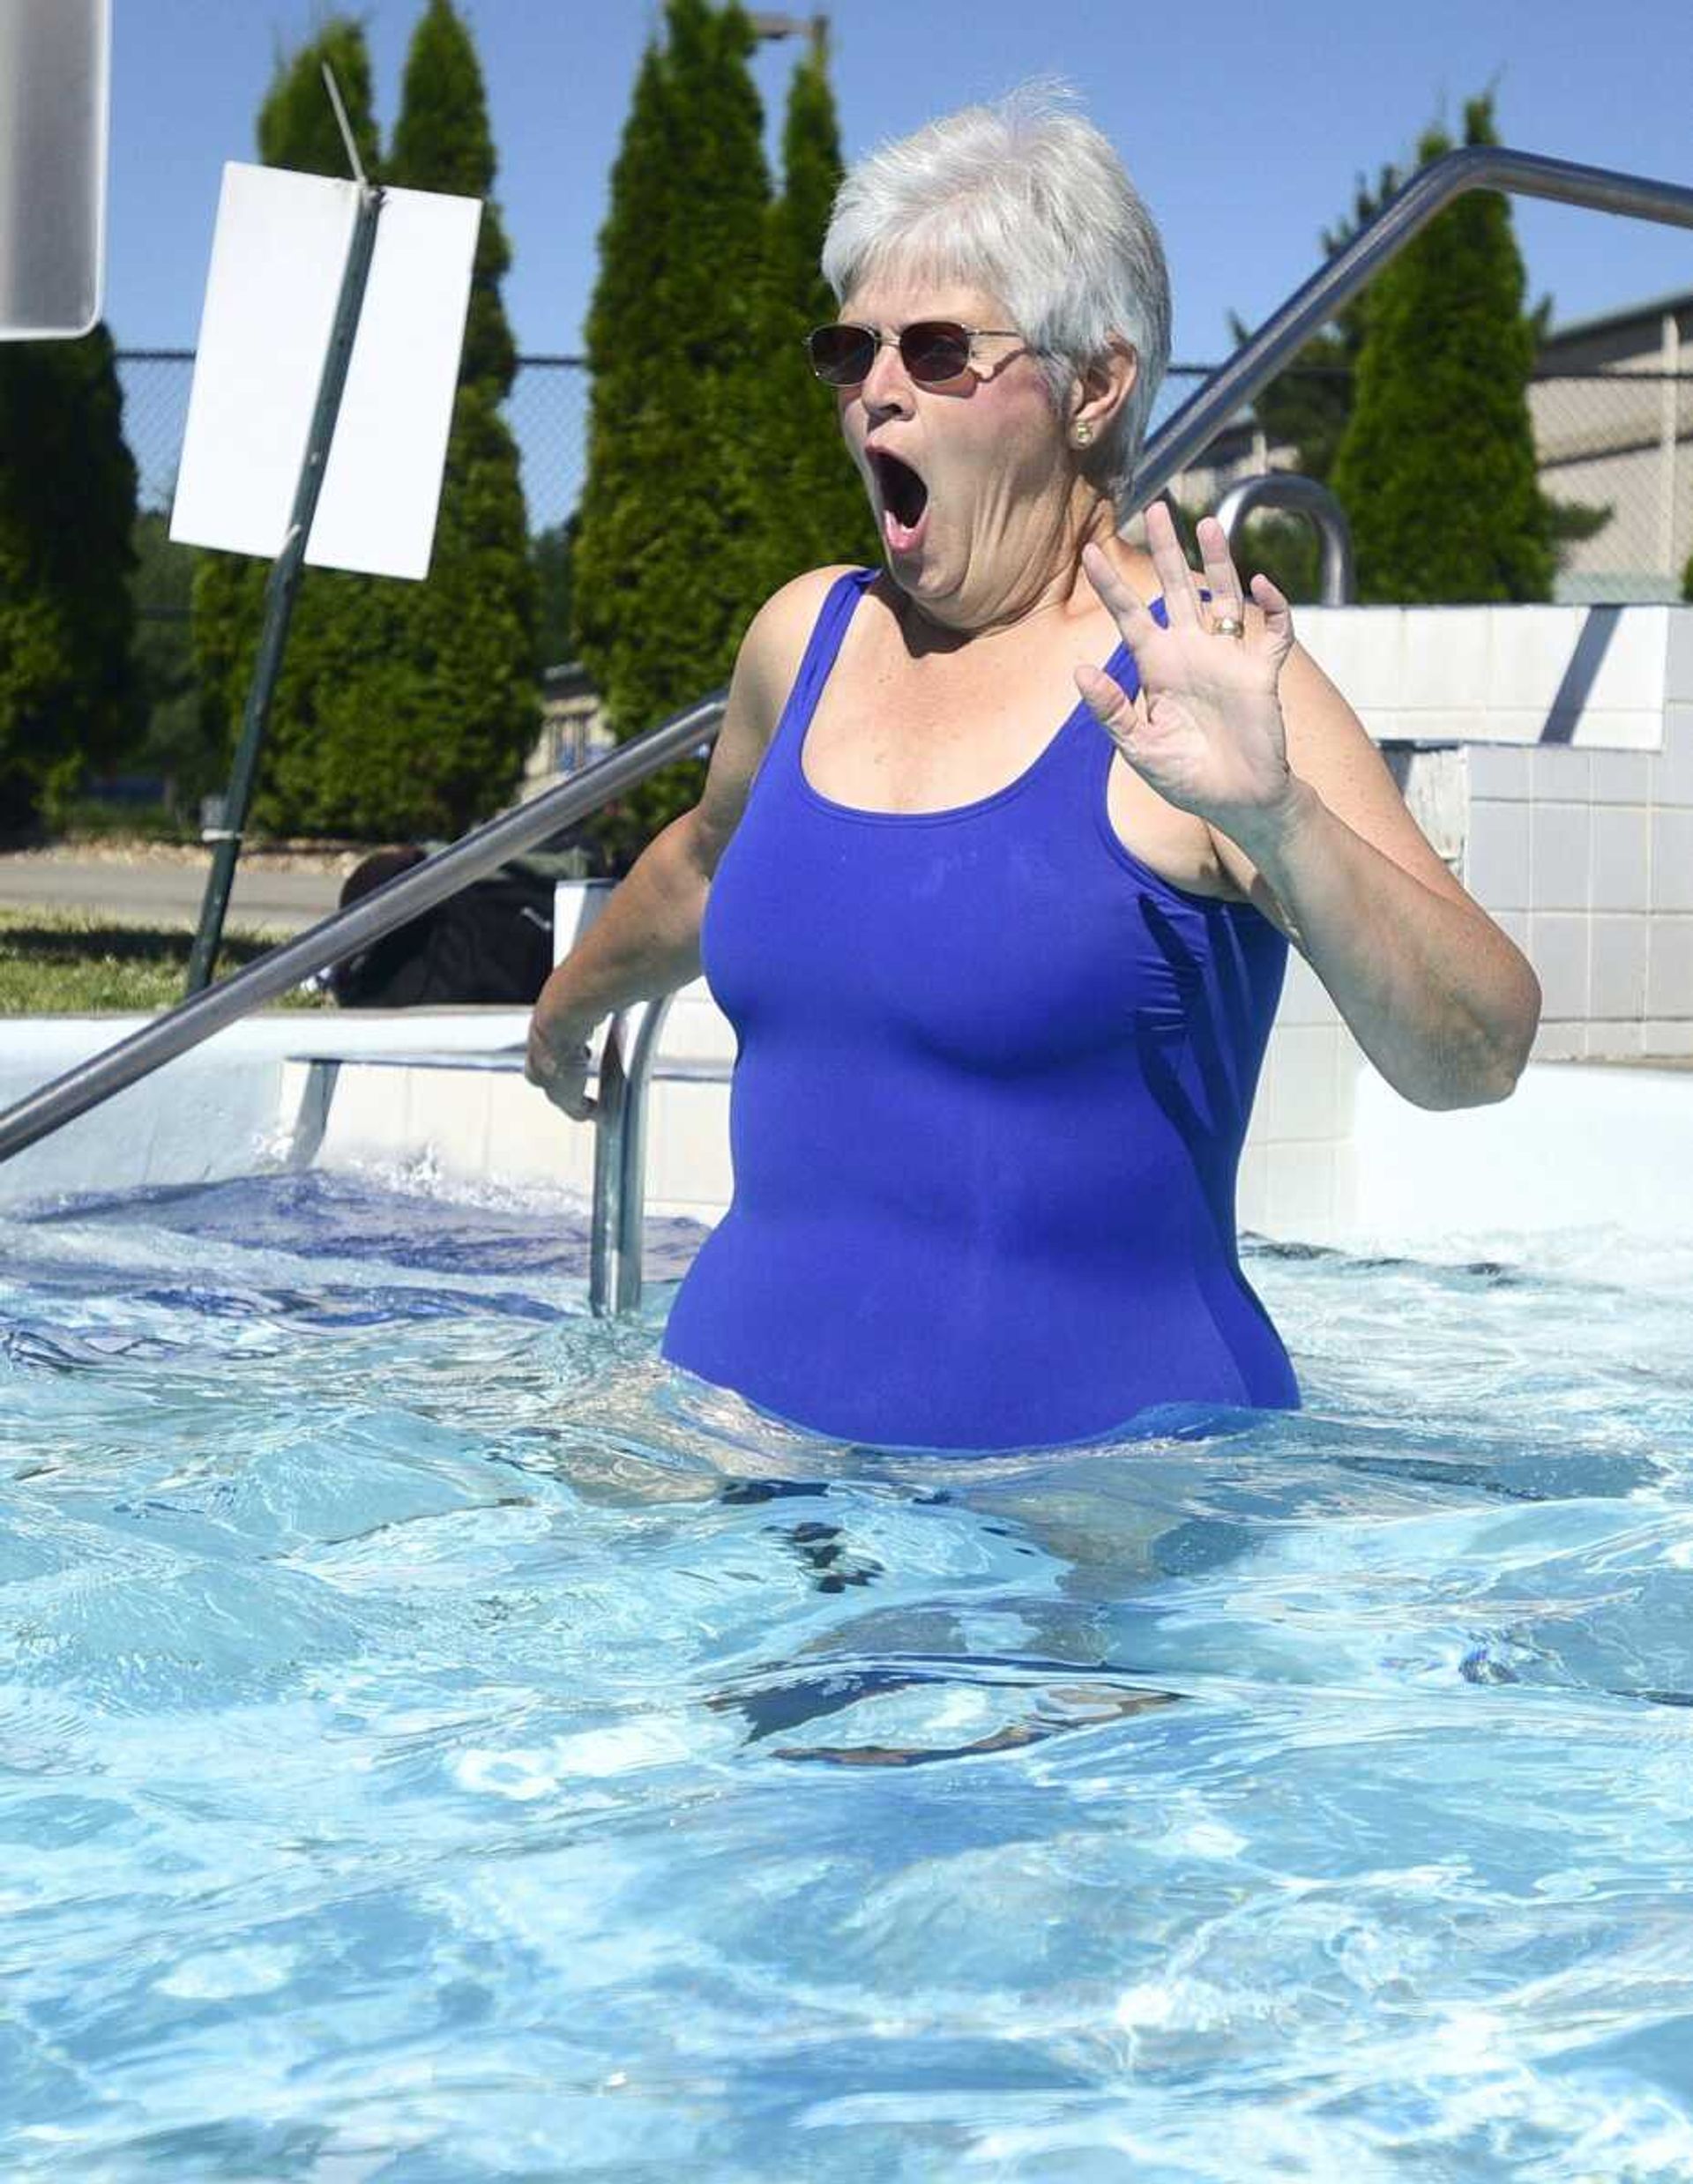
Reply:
x=437, y=1742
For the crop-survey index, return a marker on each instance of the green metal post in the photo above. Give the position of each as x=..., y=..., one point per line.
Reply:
x=279, y=594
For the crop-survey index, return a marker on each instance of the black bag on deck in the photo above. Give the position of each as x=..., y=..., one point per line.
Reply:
x=492, y=942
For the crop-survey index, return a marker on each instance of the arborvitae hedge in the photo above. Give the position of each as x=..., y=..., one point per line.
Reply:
x=671, y=561
x=1436, y=469
x=403, y=709
x=442, y=141
x=467, y=635
x=715, y=467
x=333, y=613
x=68, y=696
x=824, y=513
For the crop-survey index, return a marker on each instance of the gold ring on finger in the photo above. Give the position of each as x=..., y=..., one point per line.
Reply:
x=1227, y=625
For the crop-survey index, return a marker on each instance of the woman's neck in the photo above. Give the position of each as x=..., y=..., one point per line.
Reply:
x=1054, y=587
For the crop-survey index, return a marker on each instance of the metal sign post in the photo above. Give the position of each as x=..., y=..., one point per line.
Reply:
x=284, y=584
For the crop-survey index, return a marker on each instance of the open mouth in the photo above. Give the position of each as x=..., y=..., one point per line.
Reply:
x=904, y=496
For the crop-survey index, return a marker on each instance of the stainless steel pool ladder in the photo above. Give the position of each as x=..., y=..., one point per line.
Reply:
x=618, y=1178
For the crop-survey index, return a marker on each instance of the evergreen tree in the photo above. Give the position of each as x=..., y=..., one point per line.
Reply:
x=671, y=558
x=296, y=125
x=467, y=636
x=442, y=141
x=823, y=514
x=1436, y=469
x=552, y=553
x=68, y=696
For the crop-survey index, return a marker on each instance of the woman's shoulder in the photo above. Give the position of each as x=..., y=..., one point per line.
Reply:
x=777, y=634
x=796, y=606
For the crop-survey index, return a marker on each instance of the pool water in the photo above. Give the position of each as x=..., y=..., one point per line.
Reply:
x=437, y=1742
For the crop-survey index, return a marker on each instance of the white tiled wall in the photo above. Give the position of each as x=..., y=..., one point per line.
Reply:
x=1587, y=859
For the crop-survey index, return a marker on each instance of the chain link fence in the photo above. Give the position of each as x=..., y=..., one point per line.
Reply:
x=1619, y=443
x=547, y=413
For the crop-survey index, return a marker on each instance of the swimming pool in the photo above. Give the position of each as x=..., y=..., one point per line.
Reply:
x=436, y=1743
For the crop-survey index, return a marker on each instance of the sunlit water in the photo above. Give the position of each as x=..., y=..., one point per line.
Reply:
x=437, y=1742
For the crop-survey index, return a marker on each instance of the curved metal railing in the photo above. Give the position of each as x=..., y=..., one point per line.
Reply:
x=1303, y=497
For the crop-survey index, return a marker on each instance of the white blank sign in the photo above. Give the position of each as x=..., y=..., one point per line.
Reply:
x=277, y=261
x=55, y=69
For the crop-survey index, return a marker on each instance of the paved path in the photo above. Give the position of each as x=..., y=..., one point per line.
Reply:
x=165, y=894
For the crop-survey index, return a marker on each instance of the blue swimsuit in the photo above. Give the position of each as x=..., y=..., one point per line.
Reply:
x=993, y=1078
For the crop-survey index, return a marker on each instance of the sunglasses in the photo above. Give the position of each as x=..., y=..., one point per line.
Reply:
x=932, y=350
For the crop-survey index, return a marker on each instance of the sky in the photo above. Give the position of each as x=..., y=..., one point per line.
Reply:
x=1245, y=127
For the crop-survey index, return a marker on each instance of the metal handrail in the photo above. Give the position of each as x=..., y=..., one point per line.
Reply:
x=1475, y=167
x=357, y=926
x=619, y=1216
x=1303, y=496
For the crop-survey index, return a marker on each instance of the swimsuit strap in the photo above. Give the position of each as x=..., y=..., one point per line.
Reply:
x=823, y=648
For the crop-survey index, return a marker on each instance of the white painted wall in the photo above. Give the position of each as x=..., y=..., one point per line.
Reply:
x=213, y=1112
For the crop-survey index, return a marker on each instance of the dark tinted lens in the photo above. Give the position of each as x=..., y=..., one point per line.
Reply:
x=841, y=354
x=935, y=349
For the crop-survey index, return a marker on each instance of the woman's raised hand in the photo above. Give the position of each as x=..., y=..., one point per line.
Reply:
x=1205, y=730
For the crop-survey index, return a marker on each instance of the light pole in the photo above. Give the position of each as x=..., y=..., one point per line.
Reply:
x=816, y=28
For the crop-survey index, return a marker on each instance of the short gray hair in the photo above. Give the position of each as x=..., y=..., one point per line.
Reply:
x=1027, y=199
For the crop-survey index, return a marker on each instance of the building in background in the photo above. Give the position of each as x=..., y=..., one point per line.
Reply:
x=1612, y=409
x=574, y=728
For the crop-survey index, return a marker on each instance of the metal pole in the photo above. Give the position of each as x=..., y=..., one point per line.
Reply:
x=617, y=1231
x=280, y=591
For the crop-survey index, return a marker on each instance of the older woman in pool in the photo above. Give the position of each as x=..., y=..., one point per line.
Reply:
x=1002, y=962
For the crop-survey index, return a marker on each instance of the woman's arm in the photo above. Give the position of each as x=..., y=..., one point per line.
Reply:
x=1247, y=734
x=646, y=940
x=1442, y=1002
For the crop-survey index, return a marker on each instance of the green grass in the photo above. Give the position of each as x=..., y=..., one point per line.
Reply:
x=68, y=961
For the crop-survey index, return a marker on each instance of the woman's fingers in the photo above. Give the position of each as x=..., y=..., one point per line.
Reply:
x=1222, y=579
x=1107, y=701
x=1176, y=580
x=1277, y=614
x=1119, y=597
x=562, y=1074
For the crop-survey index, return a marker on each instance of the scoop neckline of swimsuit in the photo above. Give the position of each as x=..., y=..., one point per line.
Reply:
x=875, y=817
